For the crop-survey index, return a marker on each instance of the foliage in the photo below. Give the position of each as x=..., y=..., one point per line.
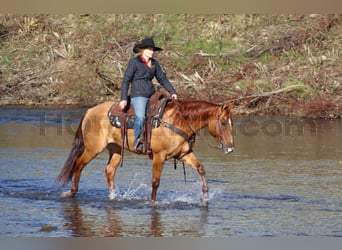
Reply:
x=80, y=59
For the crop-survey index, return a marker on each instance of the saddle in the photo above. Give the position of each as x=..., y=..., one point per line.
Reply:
x=125, y=119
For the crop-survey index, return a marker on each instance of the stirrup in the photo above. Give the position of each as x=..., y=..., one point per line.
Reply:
x=139, y=147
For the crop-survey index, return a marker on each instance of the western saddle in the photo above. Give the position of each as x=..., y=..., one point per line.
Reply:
x=125, y=120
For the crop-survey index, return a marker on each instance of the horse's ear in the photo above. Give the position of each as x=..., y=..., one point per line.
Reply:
x=228, y=105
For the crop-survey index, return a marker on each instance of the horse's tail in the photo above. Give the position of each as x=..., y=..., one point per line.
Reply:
x=76, y=151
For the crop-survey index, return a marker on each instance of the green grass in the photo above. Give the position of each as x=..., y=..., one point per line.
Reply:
x=4, y=62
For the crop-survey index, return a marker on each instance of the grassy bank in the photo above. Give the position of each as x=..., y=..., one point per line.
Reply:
x=289, y=64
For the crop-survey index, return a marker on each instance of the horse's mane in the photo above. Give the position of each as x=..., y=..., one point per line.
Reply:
x=192, y=110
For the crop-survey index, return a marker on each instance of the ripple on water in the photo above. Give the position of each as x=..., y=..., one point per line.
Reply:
x=268, y=186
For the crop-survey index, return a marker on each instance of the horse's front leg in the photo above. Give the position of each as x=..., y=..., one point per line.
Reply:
x=191, y=160
x=157, y=167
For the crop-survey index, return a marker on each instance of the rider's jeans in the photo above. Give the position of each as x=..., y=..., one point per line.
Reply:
x=139, y=104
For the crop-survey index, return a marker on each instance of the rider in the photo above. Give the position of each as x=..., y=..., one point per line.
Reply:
x=139, y=73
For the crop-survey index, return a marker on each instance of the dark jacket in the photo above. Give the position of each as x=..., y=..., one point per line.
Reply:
x=140, y=76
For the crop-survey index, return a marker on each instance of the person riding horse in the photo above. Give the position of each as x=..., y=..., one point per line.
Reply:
x=139, y=73
x=174, y=139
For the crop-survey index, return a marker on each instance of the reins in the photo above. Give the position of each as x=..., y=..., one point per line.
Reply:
x=190, y=139
x=123, y=120
x=200, y=137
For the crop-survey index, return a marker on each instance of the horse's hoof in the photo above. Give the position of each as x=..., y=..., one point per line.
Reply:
x=205, y=200
x=153, y=203
x=112, y=195
x=67, y=194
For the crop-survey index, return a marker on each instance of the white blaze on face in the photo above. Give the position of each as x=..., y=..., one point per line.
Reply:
x=229, y=150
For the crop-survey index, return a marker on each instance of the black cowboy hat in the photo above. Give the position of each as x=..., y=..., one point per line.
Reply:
x=145, y=43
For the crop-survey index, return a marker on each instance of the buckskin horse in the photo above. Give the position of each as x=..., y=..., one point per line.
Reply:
x=174, y=138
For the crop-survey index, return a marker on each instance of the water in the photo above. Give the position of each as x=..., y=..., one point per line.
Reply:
x=283, y=179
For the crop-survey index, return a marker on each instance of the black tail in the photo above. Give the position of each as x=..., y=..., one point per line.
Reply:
x=76, y=151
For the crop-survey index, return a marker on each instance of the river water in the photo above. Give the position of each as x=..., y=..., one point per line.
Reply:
x=283, y=179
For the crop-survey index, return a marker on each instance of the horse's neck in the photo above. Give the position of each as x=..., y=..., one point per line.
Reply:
x=196, y=114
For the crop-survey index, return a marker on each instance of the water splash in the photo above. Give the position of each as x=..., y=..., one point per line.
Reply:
x=215, y=192
x=137, y=189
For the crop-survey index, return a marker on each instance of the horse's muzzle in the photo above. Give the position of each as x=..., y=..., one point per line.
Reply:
x=226, y=149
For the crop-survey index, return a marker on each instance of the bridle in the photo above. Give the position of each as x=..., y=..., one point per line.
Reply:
x=219, y=131
x=191, y=139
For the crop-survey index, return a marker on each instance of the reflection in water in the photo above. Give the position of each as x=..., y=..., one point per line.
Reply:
x=74, y=219
x=80, y=221
x=114, y=226
x=156, y=227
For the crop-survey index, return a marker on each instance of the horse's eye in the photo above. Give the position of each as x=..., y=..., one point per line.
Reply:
x=223, y=123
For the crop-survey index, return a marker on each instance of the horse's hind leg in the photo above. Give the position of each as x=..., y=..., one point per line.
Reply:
x=81, y=161
x=113, y=163
x=191, y=160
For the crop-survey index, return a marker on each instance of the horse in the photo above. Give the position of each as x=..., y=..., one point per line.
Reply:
x=174, y=138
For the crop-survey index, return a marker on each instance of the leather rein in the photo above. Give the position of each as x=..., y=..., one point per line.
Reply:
x=191, y=139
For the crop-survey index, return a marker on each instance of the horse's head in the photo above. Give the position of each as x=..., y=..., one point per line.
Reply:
x=221, y=128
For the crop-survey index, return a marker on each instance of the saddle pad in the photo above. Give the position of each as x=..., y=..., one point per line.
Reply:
x=155, y=109
x=115, y=121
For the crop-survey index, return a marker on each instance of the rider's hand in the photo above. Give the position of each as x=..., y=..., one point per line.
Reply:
x=123, y=104
x=174, y=96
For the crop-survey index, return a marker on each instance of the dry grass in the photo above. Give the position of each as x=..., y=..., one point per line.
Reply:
x=80, y=59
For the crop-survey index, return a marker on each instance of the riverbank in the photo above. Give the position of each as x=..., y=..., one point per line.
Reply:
x=267, y=64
